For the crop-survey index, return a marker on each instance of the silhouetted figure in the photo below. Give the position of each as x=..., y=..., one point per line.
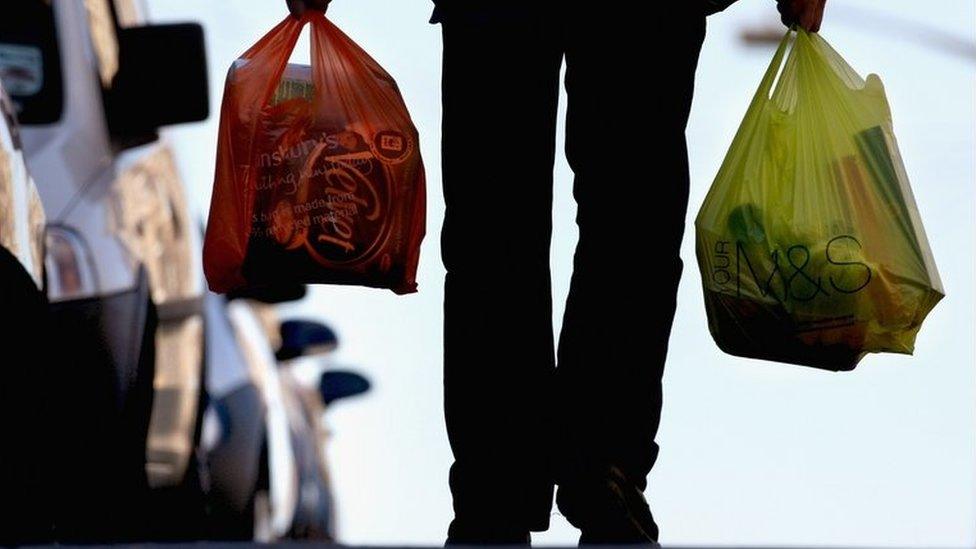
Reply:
x=517, y=424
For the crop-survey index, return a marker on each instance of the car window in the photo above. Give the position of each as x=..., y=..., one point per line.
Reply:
x=101, y=25
x=36, y=221
x=127, y=13
x=150, y=214
x=30, y=63
x=8, y=231
x=10, y=119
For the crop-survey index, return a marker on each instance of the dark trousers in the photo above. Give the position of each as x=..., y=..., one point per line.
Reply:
x=516, y=423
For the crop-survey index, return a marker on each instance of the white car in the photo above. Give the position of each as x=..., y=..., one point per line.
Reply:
x=263, y=435
x=92, y=84
x=252, y=468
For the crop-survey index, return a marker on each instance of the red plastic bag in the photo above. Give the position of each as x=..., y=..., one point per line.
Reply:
x=319, y=177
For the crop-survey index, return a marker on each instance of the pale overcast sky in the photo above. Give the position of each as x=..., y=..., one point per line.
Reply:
x=751, y=452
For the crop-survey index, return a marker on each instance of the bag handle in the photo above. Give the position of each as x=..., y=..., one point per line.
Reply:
x=272, y=52
x=775, y=66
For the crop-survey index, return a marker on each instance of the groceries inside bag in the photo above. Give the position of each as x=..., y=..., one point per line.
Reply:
x=809, y=241
x=319, y=177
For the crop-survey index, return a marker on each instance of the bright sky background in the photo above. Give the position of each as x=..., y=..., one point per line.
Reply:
x=752, y=452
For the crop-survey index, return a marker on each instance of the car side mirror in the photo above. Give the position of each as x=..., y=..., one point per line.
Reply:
x=304, y=338
x=336, y=385
x=162, y=80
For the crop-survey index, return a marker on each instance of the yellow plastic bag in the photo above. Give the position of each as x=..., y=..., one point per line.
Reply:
x=809, y=242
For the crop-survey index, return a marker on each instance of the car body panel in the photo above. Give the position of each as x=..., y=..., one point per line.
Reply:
x=284, y=480
x=229, y=369
x=176, y=400
x=235, y=460
x=22, y=216
x=245, y=383
x=149, y=214
x=104, y=407
x=314, y=511
x=233, y=428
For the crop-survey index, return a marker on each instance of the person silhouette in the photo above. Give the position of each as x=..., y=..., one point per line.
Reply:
x=517, y=424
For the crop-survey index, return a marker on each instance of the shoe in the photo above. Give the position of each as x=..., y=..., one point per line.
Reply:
x=467, y=534
x=608, y=510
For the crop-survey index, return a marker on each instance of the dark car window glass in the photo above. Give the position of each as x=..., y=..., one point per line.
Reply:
x=30, y=64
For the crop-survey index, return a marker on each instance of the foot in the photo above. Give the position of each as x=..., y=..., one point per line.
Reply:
x=608, y=510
